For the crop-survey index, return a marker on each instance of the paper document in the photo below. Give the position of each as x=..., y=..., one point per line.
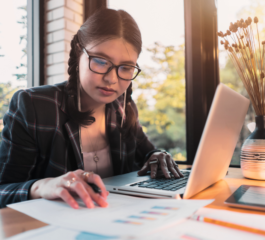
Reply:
x=57, y=233
x=185, y=230
x=244, y=219
x=125, y=216
x=193, y=230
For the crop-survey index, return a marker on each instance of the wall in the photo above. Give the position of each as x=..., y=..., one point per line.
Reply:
x=63, y=19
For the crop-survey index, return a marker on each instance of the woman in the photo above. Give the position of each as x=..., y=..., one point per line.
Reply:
x=54, y=136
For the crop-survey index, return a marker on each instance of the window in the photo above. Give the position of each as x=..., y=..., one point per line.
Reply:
x=228, y=74
x=159, y=91
x=13, y=51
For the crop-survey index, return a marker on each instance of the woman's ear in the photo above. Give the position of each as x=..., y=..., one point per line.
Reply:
x=78, y=45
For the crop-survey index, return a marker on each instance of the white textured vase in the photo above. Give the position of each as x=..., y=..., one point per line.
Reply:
x=253, y=159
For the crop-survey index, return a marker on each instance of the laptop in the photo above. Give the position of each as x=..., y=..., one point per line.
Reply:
x=212, y=159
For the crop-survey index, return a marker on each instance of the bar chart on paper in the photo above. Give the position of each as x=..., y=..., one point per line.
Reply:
x=155, y=213
x=188, y=236
x=152, y=214
x=141, y=217
x=190, y=229
x=125, y=215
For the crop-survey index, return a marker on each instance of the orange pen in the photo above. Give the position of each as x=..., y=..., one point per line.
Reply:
x=227, y=224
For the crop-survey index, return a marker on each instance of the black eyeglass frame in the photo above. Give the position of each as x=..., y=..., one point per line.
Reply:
x=113, y=66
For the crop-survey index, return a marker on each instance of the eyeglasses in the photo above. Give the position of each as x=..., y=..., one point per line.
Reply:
x=103, y=66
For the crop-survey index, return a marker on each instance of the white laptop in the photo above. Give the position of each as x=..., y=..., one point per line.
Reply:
x=213, y=156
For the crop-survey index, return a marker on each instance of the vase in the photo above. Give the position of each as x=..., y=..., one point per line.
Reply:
x=253, y=152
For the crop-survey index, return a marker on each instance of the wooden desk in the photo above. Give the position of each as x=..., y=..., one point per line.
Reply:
x=221, y=190
x=13, y=222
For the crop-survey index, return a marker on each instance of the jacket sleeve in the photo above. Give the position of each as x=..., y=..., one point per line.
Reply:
x=143, y=144
x=18, y=150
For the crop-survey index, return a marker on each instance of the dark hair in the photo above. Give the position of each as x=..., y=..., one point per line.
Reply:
x=103, y=25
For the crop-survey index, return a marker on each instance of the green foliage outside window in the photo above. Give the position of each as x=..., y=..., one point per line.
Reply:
x=164, y=85
x=6, y=90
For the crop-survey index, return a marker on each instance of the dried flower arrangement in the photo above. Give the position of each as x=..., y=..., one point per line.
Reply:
x=247, y=55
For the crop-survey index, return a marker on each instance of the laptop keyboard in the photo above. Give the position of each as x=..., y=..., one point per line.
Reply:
x=171, y=184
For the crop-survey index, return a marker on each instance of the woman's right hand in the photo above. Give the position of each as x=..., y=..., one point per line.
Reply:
x=71, y=182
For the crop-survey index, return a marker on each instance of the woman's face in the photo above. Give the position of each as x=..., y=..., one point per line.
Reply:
x=97, y=89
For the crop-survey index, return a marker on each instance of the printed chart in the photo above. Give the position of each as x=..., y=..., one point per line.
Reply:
x=125, y=215
x=152, y=214
x=190, y=237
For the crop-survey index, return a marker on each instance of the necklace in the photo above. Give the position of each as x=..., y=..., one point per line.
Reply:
x=88, y=140
x=88, y=133
x=89, y=136
x=95, y=157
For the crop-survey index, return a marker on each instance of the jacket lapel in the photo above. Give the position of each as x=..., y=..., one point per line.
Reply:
x=114, y=115
x=72, y=130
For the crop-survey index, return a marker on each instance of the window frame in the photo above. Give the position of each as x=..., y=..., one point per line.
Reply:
x=35, y=42
x=201, y=68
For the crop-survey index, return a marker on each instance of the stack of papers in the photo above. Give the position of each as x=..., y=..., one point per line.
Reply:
x=136, y=218
x=124, y=217
x=195, y=230
x=55, y=233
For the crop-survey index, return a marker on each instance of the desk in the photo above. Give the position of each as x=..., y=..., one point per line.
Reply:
x=13, y=222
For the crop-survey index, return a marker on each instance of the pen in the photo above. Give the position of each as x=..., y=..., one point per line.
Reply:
x=95, y=188
x=227, y=224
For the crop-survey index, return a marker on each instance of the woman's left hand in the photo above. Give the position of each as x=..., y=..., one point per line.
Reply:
x=165, y=162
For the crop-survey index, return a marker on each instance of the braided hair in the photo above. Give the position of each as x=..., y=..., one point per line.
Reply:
x=129, y=129
x=81, y=118
x=103, y=25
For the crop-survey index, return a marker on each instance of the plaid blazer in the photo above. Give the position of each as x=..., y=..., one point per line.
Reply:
x=39, y=140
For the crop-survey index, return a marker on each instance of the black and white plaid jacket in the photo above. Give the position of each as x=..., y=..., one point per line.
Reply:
x=39, y=141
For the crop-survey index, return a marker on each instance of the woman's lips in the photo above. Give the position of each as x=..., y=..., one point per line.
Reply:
x=106, y=91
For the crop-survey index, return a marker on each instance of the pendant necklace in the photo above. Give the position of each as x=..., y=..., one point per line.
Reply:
x=95, y=153
x=95, y=157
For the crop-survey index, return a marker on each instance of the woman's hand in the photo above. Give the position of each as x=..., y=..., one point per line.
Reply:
x=71, y=182
x=165, y=162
